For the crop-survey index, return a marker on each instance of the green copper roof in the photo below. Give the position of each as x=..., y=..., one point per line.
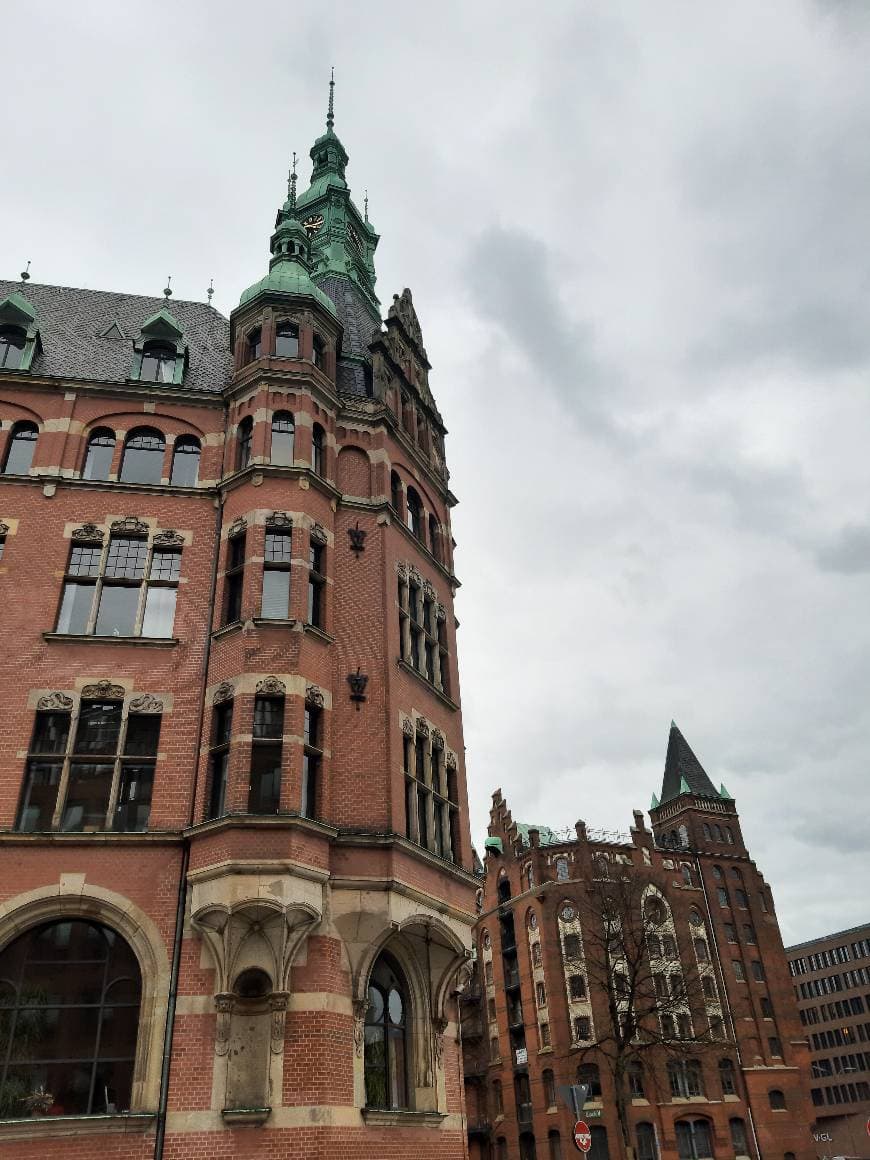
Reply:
x=547, y=837
x=723, y=792
x=288, y=277
x=654, y=804
x=493, y=844
x=683, y=771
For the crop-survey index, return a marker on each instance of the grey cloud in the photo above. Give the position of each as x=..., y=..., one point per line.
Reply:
x=848, y=551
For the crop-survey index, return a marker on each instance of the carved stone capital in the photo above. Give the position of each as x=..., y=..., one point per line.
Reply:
x=271, y=687
x=4, y=529
x=407, y=726
x=224, y=691
x=441, y=613
x=129, y=526
x=429, y=590
x=102, y=689
x=224, y=1005
x=360, y=1007
x=278, y=1009
x=450, y=759
x=437, y=739
x=402, y=570
x=318, y=534
x=237, y=528
x=55, y=701
x=422, y=726
x=314, y=696
x=439, y=1026
x=145, y=703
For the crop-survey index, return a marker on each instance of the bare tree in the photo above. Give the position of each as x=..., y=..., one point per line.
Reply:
x=662, y=996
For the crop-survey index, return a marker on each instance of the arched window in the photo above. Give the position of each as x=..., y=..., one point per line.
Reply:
x=504, y=889
x=20, y=449
x=686, y=871
x=98, y=457
x=527, y=1146
x=287, y=340
x=647, y=1148
x=414, y=514
x=396, y=492
x=694, y=1139
x=386, y=1037
x=158, y=363
x=729, y=836
x=554, y=1142
x=727, y=1077
x=319, y=347
x=69, y=1016
x=283, y=435
x=318, y=445
x=686, y=1078
x=776, y=1099
x=244, y=439
x=502, y=1148
x=738, y=1136
x=12, y=340
x=142, y=461
x=702, y=952
x=654, y=910
x=254, y=345
x=434, y=538
x=185, y=461
x=683, y=835
x=561, y=869
x=588, y=1073
x=600, y=1149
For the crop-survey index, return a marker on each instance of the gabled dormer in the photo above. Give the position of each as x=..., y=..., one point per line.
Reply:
x=19, y=334
x=160, y=351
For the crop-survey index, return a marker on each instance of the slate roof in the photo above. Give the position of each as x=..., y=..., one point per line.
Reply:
x=71, y=321
x=680, y=763
x=547, y=837
x=359, y=326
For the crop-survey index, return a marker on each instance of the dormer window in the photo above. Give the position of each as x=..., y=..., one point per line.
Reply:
x=158, y=363
x=287, y=340
x=319, y=353
x=12, y=340
x=254, y=346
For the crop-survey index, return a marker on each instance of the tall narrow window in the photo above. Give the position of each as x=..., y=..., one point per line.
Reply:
x=158, y=363
x=312, y=757
x=318, y=449
x=283, y=435
x=600, y=1149
x=185, y=461
x=244, y=442
x=264, y=792
x=125, y=589
x=219, y=759
x=647, y=1148
x=549, y=1088
x=98, y=778
x=738, y=1137
x=99, y=454
x=434, y=538
x=319, y=348
x=316, y=582
x=287, y=340
x=694, y=1140
x=387, y=1051
x=554, y=1143
x=20, y=449
x=276, y=573
x=12, y=343
x=142, y=461
x=69, y=1022
x=414, y=516
x=234, y=580
x=727, y=1077
x=396, y=493
x=254, y=345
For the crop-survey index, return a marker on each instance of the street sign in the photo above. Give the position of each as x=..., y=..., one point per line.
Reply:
x=582, y=1136
x=575, y=1096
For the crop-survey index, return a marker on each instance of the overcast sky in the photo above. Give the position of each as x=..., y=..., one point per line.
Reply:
x=638, y=240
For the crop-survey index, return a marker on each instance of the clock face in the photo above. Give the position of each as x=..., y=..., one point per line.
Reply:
x=313, y=223
x=354, y=238
x=568, y=913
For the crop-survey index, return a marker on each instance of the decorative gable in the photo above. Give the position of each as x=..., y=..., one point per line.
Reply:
x=161, y=329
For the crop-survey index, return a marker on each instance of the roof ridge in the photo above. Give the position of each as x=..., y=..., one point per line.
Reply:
x=112, y=293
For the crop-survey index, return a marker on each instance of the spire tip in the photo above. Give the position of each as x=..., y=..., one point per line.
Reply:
x=330, y=114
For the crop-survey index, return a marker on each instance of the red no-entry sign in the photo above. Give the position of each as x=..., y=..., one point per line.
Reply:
x=582, y=1136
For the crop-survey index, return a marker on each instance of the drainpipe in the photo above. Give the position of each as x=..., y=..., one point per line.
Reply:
x=160, y=1136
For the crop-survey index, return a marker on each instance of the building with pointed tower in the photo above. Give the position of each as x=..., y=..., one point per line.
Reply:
x=647, y=966
x=236, y=888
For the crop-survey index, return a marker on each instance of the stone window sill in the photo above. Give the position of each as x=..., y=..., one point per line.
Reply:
x=436, y=692
x=139, y=641
x=319, y=632
x=384, y=1118
x=39, y=1127
x=88, y=837
x=253, y=1116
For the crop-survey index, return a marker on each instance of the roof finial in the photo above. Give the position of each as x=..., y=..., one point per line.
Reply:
x=167, y=289
x=366, y=205
x=330, y=115
x=25, y=273
x=210, y=290
x=291, y=184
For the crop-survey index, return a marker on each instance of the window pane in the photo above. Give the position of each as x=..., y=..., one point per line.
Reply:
x=50, y=732
x=279, y=547
x=287, y=342
x=159, y=611
x=143, y=458
x=310, y=771
x=143, y=734
x=22, y=444
x=75, y=608
x=126, y=558
x=98, y=727
x=40, y=795
x=185, y=463
x=98, y=461
x=276, y=594
x=282, y=441
x=87, y=796
x=265, y=788
x=165, y=566
x=84, y=560
x=268, y=717
x=218, y=785
x=223, y=723
x=134, y=796
x=117, y=614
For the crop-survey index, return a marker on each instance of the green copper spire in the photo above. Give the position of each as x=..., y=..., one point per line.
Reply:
x=723, y=792
x=654, y=804
x=684, y=786
x=330, y=112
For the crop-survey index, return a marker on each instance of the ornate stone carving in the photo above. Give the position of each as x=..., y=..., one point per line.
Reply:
x=87, y=534
x=145, y=703
x=357, y=682
x=357, y=539
x=224, y=1004
x=102, y=689
x=450, y=759
x=224, y=691
x=129, y=526
x=55, y=701
x=237, y=528
x=402, y=570
x=271, y=687
x=429, y=590
x=441, y=613
x=317, y=534
x=278, y=1008
x=168, y=539
x=439, y=1026
x=4, y=529
x=422, y=726
x=403, y=309
x=407, y=726
x=314, y=696
x=414, y=576
x=437, y=739
x=278, y=520
x=360, y=1006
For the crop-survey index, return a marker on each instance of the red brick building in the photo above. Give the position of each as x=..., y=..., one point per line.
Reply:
x=716, y=1063
x=236, y=891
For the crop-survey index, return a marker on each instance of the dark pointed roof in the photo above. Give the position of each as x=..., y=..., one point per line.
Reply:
x=683, y=771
